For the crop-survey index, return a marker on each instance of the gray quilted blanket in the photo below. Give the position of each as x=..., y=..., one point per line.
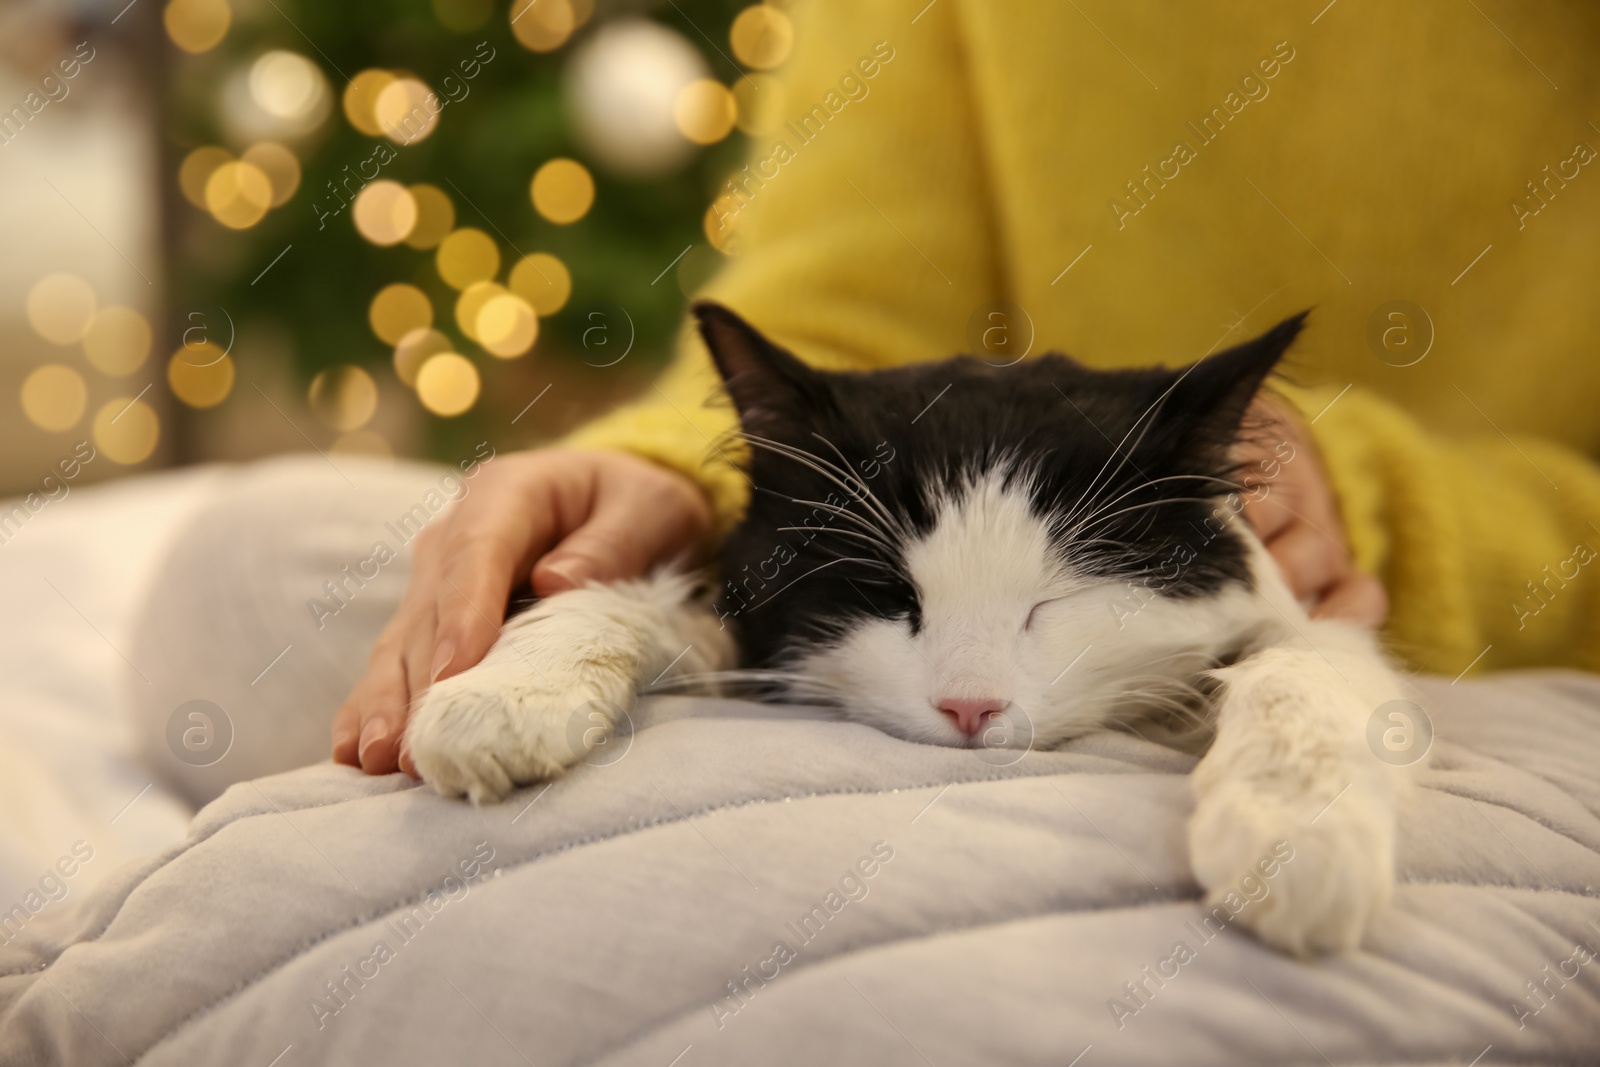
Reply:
x=737, y=884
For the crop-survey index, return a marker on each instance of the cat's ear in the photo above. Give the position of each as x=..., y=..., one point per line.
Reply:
x=765, y=381
x=1214, y=393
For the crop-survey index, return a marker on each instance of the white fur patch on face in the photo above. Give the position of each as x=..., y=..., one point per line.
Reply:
x=1006, y=618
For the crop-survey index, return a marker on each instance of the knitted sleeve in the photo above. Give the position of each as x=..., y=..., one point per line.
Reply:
x=845, y=262
x=1484, y=543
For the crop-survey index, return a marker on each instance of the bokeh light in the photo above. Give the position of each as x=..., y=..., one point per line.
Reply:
x=397, y=310
x=385, y=213
x=507, y=326
x=402, y=111
x=361, y=100
x=278, y=96
x=542, y=25
x=414, y=350
x=562, y=191
x=344, y=397
x=200, y=376
x=761, y=36
x=197, y=168
x=60, y=308
x=543, y=281
x=496, y=308
x=286, y=85
x=117, y=341
x=448, y=384
x=238, y=195
x=197, y=26
x=467, y=255
x=201, y=353
x=126, y=430
x=53, y=397
x=471, y=302
x=436, y=216
x=280, y=165
x=462, y=16
x=705, y=111
x=759, y=102
x=621, y=84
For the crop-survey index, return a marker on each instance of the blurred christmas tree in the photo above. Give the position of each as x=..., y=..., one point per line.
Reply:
x=449, y=192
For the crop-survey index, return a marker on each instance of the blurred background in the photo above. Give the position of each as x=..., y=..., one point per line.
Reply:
x=240, y=227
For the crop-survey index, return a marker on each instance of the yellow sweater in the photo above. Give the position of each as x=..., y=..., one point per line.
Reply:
x=1149, y=182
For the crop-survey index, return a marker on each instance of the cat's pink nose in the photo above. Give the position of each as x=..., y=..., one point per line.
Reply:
x=968, y=715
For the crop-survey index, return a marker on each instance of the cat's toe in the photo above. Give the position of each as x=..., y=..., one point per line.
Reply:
x=1305, y=880
x=483, y=733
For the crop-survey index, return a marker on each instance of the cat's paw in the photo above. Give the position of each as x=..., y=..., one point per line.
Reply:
x=494, y=727
x=1303, y=873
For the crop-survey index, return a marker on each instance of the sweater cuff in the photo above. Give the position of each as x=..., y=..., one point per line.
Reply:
x=661, y=433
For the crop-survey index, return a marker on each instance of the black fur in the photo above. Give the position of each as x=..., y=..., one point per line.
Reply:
x=1152, y=445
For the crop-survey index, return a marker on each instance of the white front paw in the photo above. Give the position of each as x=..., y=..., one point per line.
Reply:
x=494, y=727
x=1305, y=874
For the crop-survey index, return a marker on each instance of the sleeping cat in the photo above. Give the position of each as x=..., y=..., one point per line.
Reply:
x=972, y=555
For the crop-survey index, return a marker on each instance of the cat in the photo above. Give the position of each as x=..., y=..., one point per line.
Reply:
x=960, y=553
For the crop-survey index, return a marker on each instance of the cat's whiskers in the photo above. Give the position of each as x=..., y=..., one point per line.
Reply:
x=753, y=675
x=838, y=556
x=846, y=513
x=777, y=683
x=823, y=567
x=1178, y=697
x=872, y=498
x=876, y=542
x=1163, y=502
x=825, y=467
x=890, y=526
x=1148, y=414
x=1152, y=482
x=1094, y=485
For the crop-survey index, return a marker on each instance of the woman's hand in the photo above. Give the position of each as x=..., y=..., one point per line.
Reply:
x=1292, y=510
x=560, y=517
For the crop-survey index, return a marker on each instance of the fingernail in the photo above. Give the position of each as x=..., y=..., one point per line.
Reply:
x=573, y=572
x=371, y=734
x=442, y=657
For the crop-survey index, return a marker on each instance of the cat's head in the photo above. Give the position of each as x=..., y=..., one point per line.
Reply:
x=964, y=553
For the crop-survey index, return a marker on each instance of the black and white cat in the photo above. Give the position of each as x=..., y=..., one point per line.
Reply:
x=964, y=554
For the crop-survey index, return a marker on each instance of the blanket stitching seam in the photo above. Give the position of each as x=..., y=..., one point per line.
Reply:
x=646, y=1032
x=367, y=919
x=370, y=917
x=182, y=848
